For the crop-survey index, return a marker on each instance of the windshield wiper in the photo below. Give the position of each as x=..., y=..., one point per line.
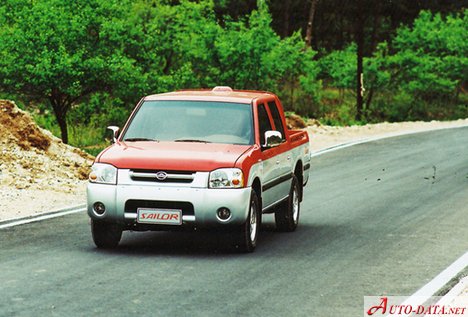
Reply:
x=191, y=140
x=139, y=139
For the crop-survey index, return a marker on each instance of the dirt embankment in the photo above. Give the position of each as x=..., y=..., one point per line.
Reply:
x=31, y=157
x=32, y=160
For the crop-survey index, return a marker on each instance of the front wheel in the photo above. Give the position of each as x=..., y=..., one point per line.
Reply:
x=105, y=235
x=251, y=227
x=287, y=214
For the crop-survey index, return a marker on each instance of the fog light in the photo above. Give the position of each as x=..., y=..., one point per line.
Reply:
x=223, y=213
x=99, y=208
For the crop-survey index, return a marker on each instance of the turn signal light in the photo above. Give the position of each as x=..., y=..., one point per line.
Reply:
x=92, y=176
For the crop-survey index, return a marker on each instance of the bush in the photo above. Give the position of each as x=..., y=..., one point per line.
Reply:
x=429, y=65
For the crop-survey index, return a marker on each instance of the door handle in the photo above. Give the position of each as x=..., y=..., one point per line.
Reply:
x=289, y=157
x=277, y=162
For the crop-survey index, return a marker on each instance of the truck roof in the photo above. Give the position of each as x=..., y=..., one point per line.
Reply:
x=219, y=93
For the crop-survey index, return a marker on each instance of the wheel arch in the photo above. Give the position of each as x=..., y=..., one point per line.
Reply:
x=257, y=187
x=298, y=172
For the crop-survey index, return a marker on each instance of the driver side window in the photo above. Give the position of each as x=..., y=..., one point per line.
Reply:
x=263, y=122
x=277, y=119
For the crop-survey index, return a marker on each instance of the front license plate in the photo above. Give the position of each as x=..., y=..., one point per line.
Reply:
x=160, y=216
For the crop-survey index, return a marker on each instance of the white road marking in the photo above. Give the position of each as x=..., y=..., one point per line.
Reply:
x=440, y=280
x=22, y=221
x=428, y=290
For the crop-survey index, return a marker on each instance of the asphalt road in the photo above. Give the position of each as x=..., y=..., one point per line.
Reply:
x=381, y=218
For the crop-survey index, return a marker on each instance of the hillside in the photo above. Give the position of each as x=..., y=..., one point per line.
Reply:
x=37, y=171
x=33, y=158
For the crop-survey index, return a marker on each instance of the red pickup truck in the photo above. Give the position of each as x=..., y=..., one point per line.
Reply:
x=203, y=159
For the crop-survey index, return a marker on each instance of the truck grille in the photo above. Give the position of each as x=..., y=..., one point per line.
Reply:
x=162, y=176
x=132, y=205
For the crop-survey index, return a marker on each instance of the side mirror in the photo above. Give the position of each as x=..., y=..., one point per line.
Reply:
x=272, y=139
x=115, y=132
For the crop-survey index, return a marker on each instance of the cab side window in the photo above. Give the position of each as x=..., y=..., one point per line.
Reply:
x=263, y=122
x=277, y=119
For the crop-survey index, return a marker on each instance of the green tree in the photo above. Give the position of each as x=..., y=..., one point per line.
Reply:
x=429, y=62
x=100, y=54
x=251, y=55
x=377, y=76
x=338, y=67
x=58, y=52
x=174, y=44
x=431, y=58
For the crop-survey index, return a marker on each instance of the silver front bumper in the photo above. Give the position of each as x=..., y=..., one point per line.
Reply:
x=205, y=201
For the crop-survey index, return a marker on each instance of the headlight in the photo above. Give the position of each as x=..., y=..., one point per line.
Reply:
x=226, y=178
x=103, y=173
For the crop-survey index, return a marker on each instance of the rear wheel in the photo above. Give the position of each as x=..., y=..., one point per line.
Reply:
x=250, y=229
x=105, y=235
x=287, y=214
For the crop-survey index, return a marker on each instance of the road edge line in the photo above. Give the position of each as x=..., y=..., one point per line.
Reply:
x=428, y=290
x=454, y=292
x=43, y=216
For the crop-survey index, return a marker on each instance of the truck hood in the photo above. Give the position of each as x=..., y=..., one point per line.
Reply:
x=182, y=156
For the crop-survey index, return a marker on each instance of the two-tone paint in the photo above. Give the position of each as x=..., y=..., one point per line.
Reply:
x=268, y=171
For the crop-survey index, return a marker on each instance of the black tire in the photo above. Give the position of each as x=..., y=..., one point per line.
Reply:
x=250, y=229
x=106, y=235
x=287, y=213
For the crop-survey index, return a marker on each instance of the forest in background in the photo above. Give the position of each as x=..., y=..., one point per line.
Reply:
x=80, y=66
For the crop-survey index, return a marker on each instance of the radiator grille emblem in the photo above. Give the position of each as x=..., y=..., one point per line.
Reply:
x=161, y=175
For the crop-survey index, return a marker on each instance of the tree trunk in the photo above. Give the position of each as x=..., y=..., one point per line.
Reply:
x=310, y=23
x=60, y=110
x=369, y=98
x=359, y=86
x=359, y=35
x=62, y=122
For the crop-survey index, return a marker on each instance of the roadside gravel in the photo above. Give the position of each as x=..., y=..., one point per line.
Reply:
x=322, y=137
x=38, y=173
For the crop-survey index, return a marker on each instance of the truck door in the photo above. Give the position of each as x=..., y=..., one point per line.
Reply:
x=272, y=187
x=284, y=160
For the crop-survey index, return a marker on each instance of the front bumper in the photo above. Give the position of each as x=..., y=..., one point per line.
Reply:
x=199, y=205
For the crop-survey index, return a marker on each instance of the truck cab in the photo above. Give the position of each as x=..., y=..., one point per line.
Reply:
x=215, y=158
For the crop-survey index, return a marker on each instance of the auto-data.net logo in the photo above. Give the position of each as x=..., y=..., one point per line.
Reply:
x=402, y=306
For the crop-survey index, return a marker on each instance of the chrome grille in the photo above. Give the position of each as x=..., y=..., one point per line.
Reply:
x=162, y=176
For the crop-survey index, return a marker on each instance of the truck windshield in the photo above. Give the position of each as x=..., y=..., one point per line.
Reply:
x=192, y=121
